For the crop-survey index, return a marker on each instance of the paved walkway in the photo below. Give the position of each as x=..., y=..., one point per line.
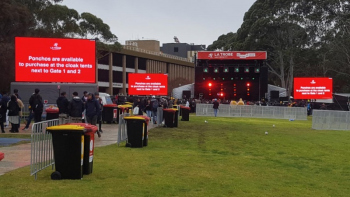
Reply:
x=19, y=156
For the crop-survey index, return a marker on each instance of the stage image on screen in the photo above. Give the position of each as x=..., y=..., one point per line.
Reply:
x=55, y=60
x=148, y=84
x=313, y=88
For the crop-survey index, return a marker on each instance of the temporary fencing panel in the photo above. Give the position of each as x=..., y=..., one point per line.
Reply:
x=122, y=131
x=41, y=147
x=330, y=120
x=160, y=116
x=254, y=111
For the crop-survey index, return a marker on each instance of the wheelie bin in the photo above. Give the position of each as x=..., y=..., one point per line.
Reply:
x=68, y=147
x=52, y=113
x=89, y=144
x=135, y=129
x=185, y=113
x=108, y=113
x=145, y=131
x=122, y=109
x=169, y=117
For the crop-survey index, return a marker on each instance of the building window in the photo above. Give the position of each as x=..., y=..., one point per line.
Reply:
x=176, y=49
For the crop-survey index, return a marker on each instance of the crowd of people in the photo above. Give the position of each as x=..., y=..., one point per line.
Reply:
x=89, y=107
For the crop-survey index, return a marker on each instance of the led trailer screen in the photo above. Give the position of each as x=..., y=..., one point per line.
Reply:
x=55, y=60
x=148, y=84
x=313, y=88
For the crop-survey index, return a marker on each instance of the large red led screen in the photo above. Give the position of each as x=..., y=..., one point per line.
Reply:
x=148, y=84
x=313, y=88
x=55, y=60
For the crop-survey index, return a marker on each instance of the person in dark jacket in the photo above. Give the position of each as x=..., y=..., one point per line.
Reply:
x=3, y=110
x=99, y=117
x=63, y=103
x=13, y=114
x=155, y=105
x=36, y=104
x=92, y=111
x=63, y=106
x=139, y=104
x=216, y=107
x=76, y=108
x=148, y=109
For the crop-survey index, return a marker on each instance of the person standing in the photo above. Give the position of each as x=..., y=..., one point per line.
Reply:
x=63, y=105
x=3, y=110
x=21, y=106
x=13, y=114
x=15, y=92
x=148, y=109
x=85, y=97
x=99, y=117
x=216, y=107
x=92, y=108
x=139, y=104
x=5, y=98
x=76, y=108
x=36, y=103
x=155, y=105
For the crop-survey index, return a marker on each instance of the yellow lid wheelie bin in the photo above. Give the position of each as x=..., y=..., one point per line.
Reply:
x=135, y=126
x=68, y=147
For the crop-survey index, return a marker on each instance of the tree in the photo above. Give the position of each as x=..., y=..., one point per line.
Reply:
x=223, y=42
x=45, y=18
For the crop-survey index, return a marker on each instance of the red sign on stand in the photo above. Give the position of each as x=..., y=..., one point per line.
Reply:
x=148, y=84
x=55, y=60
x=313, y=88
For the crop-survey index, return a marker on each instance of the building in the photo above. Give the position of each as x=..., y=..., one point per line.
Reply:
x=182, y=49
x=113, y=67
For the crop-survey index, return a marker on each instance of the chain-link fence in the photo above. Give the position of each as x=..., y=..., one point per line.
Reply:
x=330, y=120
x=254, y=111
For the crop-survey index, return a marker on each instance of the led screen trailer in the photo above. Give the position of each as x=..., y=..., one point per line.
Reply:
x=148, y=84
x=313, y=88
x=55, y=60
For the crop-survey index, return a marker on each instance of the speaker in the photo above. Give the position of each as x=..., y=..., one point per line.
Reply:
x=186, y=94
x=274, y=95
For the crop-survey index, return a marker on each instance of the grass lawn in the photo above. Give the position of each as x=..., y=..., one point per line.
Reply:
x=225, y=157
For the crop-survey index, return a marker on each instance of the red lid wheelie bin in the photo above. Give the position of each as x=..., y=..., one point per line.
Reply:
x=2, y=156
x=89, y=144
x=170, y=117
x=108, y=113
x=52, y=113
x=185, y=113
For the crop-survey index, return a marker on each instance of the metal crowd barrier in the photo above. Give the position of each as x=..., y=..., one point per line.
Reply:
x=41, y=147
x=330, y=120
x=254, y=111
x=160, y=116
x=122, y=131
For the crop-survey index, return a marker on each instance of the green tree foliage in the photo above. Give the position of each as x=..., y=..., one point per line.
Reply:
x=302, y=38
x=223, y=42
x=45, y=18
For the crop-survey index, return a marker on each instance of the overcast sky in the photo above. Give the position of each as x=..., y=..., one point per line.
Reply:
x=192, y=21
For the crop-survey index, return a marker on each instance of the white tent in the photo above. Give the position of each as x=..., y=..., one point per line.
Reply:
x=177, y=92
x=282, y=91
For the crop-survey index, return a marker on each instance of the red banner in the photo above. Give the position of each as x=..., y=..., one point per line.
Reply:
x=148, y=84
x=313, y=88
x=232, y=55
x=55, y=60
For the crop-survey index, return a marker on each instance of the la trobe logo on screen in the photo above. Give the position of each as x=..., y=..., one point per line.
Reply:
x=55, y=47
x=148, y=78
x=313, y=82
